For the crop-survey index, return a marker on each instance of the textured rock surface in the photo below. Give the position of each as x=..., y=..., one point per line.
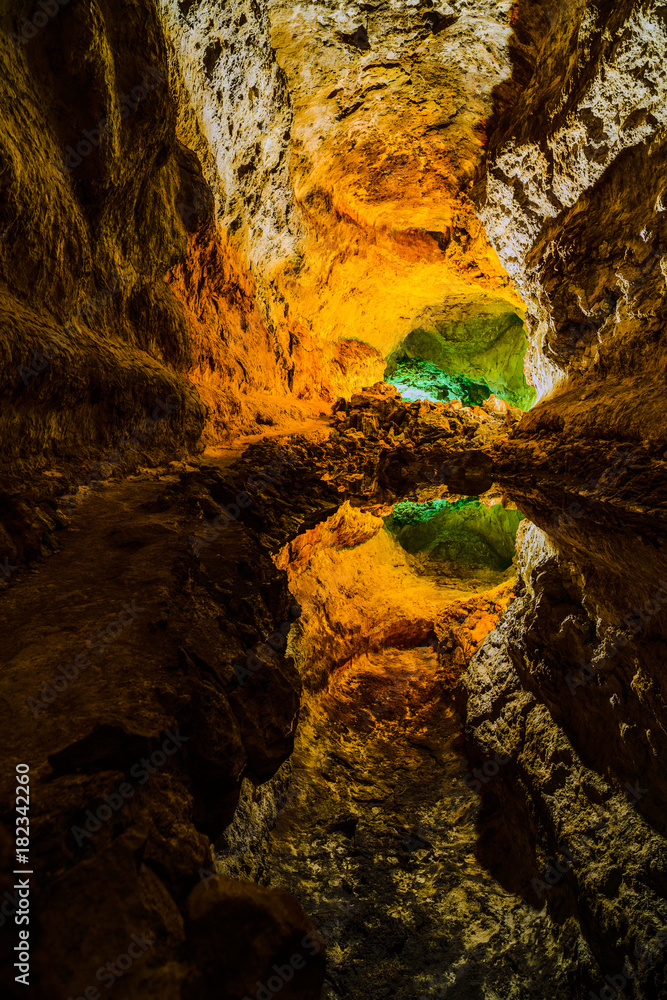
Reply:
x=571, y=197
x=386, y=137
x=249, y=236
x=571, y=194
x=254, y=365
x=251, y=364
x=92, y=339
x=235, y=108
x=376, y=836
x=387, y=449
x=148, y=619
x=342, y=172
x=560, y=683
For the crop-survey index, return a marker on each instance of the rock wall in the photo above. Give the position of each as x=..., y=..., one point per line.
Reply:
x=110, y=271
x=577, y=825
x=98, y=200
x=572, y=680
x=572, y=188
x=255, y=365
x=145, y=677
x=236, y=109
x=93, y=177
x=341, y=169
x=390, y=106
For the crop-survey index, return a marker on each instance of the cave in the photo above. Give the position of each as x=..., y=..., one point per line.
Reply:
x=333, y=567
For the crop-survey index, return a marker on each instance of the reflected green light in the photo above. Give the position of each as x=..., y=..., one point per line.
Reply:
x=465, y=534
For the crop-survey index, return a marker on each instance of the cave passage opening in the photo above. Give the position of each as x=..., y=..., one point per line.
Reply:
x=417, y=379
x=465, y=351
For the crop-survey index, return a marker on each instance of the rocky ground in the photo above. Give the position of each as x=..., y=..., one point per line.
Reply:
x=377, y=833
x=192, y=547
x=172, y=569
x=129, y=677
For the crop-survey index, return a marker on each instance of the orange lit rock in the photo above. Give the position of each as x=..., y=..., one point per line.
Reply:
x=462, y=627
x=361, y=592
x=386, y=138
x=341, y=178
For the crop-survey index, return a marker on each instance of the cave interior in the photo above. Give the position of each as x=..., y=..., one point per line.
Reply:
x=333, y=499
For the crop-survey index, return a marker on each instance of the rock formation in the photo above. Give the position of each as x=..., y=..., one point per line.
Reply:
x=329, y=682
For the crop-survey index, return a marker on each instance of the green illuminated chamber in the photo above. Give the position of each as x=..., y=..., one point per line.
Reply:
x=467, y=351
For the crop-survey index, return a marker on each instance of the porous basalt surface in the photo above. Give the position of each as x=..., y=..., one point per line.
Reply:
x=386, y=137
x=570, y=196
x=578, y=825
x=386, y=449
x=375, y=834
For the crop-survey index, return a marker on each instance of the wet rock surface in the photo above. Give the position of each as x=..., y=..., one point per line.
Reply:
x=126, y=703
x=360, y=592
x=376, y=835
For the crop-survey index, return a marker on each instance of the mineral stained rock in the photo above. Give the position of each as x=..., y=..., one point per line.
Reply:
x=570, y=195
